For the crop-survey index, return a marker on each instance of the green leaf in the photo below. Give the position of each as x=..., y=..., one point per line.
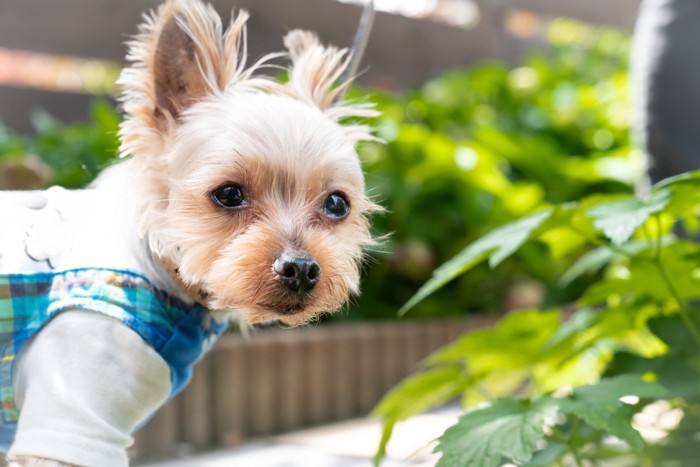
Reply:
x=673, y=331
x=497, y=246
x=563, y=242
x=414, y=395
x=599, y=405
x=618, y=220
x=610, y=389
x=508, y=428
x=688, y=177
x=578, y=322
x=420, y=392
x=590, y=262
x=548, y=456
x=674, y=371
x=641, y=278
x=515, y=342
x=577, y=354
x=596, y=259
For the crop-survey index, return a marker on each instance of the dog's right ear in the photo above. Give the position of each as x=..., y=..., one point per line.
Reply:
x=178, y=79
x=180, y=56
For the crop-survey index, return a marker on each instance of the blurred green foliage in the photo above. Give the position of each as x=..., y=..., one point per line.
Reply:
x=466, y=152
x=477, y=147
x=61, y=154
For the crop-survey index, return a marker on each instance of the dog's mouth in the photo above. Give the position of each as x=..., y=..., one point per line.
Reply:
x=269, y=309
x=286, y=309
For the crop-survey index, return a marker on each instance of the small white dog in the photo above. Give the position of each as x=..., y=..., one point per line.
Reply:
x=240, y=197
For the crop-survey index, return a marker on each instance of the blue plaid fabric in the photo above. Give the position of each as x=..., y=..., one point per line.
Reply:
x=180, y=333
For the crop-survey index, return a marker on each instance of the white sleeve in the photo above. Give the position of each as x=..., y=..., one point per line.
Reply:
x=83, y=385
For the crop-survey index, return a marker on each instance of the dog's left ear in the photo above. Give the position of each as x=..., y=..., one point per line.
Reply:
x=315, y=69
x=313, y=78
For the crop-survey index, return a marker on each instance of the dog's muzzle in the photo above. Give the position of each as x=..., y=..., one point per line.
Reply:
x=299, y=274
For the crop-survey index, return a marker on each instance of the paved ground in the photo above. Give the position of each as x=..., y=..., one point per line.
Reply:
x=347, y=444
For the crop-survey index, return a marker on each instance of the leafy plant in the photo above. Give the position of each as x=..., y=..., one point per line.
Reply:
x=478, y=147
x=636, y=333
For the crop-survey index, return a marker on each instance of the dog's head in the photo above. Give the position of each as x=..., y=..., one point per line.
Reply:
x=251, y=187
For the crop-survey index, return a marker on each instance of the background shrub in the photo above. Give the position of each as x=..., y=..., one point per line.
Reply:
x=480, y=146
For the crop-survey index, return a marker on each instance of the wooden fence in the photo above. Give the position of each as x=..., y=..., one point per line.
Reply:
x=402, y=51
x=282, y=380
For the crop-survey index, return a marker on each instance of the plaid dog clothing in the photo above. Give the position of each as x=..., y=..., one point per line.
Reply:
x=180, y=334
x=71, y=250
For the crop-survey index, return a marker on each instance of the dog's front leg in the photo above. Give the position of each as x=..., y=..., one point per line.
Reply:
x=83, y=385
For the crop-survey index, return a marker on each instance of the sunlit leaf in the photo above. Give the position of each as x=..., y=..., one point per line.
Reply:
x=596, y=259
x=599, y=405
x=562, y=242
x=514, y=342
x=687, y=177
x=618, y=220
x=508, y=429
x=643, y=278
x=497, y=246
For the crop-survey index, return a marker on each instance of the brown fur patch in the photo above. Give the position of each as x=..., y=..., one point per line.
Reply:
x=177, y=81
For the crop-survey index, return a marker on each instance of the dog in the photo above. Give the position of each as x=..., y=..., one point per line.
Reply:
x=238, y=196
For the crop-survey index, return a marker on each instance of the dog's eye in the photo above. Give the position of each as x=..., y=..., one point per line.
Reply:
x=336, y=206
x=229, y=196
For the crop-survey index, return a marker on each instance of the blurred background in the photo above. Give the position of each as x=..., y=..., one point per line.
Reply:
x=491, y=109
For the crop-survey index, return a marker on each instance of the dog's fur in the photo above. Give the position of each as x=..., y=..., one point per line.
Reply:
x=199, y=117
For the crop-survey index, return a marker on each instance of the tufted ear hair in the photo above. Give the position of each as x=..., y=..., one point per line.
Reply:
x=315, y=68
x=180, y=56
x=313, y=79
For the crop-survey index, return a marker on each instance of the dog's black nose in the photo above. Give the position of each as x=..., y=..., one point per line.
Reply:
x=298, y=273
